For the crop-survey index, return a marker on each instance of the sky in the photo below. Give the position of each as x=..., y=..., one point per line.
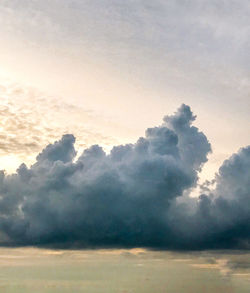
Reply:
x=117, y=67
x=125, y=108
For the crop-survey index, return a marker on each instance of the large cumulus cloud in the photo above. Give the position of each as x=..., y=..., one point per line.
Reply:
x=129, y=197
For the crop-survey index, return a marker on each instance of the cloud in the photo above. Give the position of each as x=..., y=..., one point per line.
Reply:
x=117, y=199
x=227, y=206
x=131, y=197
x=221, y=215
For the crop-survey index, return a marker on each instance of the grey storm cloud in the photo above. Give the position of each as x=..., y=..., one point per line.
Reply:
x=225, y=211
x=129, y=197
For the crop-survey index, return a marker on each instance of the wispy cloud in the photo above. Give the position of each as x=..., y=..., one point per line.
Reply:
x=30, y=120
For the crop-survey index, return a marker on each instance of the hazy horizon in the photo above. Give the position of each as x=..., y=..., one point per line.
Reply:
x=134, y=271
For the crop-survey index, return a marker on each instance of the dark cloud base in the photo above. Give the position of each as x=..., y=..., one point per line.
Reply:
x=132, y=197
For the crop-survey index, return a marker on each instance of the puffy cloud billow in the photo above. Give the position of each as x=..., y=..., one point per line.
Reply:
x=129, y=197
